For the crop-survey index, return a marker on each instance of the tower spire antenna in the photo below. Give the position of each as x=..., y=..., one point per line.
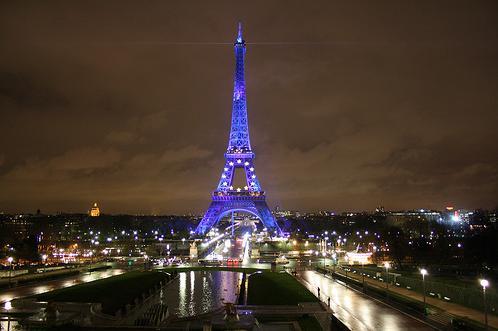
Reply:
x=239, y=34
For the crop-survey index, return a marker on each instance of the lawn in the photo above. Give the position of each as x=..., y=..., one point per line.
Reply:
x=309, y=323
x=113, y=292
x=271, y=288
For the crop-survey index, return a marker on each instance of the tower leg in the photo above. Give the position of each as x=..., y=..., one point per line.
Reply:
x=217, y=209
x=233, y=221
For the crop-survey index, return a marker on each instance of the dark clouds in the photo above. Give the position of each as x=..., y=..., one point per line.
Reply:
x=350, y=105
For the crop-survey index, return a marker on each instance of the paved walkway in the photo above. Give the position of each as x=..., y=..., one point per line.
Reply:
x=452, y=308
x=7, y=295
x=358, y=311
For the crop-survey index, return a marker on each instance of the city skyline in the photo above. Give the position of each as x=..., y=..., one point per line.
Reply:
x=348, y=111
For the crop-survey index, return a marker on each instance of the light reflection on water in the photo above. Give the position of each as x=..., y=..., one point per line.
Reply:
x=182, y=278
x=206, y=292
x=10, y=326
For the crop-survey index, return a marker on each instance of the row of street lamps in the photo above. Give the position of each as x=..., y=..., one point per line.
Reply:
x=483, y=282
x=10, y=259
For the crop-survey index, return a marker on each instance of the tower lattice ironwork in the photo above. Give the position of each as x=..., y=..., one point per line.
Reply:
x=227, y=198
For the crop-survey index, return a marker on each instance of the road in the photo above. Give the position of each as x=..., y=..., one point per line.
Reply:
x=357, y=311
x=447, y=307
x=41, y=287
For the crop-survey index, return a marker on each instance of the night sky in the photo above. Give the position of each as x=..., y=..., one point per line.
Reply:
x=351, y=104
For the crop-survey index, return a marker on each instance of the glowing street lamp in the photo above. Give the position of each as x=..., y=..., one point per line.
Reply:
x=10, y=259
x=44, y=260
x=484, y=283
x=334, y=259
x=424, y=272
x=146, y=258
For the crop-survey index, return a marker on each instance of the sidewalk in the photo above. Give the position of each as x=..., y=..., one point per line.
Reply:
x=452, y=308
x=6, y=283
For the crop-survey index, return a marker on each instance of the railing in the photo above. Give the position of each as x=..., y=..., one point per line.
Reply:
x=238, y=196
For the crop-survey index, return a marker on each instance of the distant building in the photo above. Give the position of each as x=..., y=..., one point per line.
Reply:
x=287, y=213
x=17, y=227
x=380, y=210
x=95, y=211
x=413, y=215
x=493, y=216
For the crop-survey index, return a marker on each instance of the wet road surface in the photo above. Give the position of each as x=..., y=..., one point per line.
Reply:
x=357, y=311
x=6, y=295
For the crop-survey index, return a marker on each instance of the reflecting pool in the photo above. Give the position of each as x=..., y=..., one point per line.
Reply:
x=198, y=292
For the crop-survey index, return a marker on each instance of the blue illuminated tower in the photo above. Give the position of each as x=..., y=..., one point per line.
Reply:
x=227, y=198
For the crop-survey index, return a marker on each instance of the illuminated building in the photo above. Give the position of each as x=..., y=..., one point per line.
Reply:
x=95, y=211
x=413, y=215
x=226, y=198
x=358, y=258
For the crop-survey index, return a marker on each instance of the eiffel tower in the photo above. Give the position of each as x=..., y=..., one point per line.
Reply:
x=251, y=198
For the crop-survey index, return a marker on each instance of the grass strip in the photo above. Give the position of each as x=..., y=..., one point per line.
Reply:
x=271, y=288
x=113, y=292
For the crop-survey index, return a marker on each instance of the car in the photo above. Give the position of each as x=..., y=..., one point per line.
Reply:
x=281, y=260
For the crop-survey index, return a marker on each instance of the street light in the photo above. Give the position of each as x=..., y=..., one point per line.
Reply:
x=424, y=272
x=484, y=283
x=44, y=260
x=387, y=266
x=323, y=259
x=10, y=259
x=334, y=257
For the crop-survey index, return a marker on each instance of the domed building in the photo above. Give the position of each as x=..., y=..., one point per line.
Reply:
x=95, y=211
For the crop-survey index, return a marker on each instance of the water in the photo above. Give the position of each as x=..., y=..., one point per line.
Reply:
x=197, y=292
x=10, y=325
